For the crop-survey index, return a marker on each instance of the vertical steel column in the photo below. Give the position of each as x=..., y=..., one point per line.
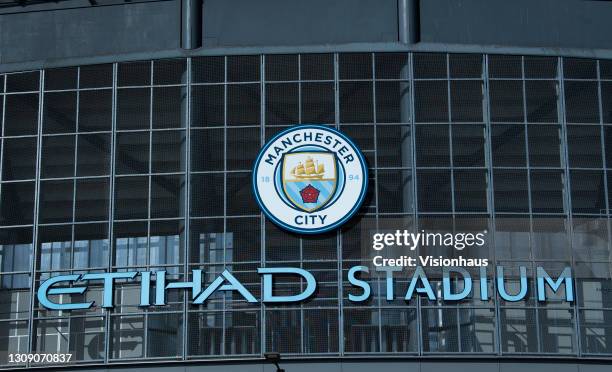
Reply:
x=191, y=24
x=409, y=21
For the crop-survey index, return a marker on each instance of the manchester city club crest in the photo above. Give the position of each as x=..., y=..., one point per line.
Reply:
x=310, y=179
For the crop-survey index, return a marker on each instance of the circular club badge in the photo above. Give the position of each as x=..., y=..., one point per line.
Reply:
x=310, y=179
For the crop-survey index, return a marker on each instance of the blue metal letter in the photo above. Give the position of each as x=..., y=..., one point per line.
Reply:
x=109, y=281
x=359, y=283
x=268, y=296
x=420, y=274
x=566, y=276
x=234, y=285
x=502, y=289
x=45, y=289
x=446, y=284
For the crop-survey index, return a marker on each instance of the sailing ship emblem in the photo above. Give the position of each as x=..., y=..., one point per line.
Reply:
x=309, y=179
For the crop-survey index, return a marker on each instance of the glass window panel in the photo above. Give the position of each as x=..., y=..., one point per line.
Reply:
x=57, y=156
x=282, y=103
x=243, y=68
x=544, y=149
x=579, y=68
x=90, y=246
x=394, y=146
x=430, y=101
x=208, y=69
x=54, y=248
x=321, y=331
x=557, y=331
x=19, y=158
x=207, y=194
x=127, y=337
x=242, y=240
x=392, y=66
x=15, y=249
x=508, y=145
x=93, y=154
x=21, y=114
x=14, y=296
x=92, y=199
x=207, y=106
x=429, y=65
x=131, y=197
x=596, y=331
x=538, y=67
x=284, y=331
x=399, y=330
x=512, y=236
x=13, y=340
x=468, y=145
x=282, y=67
x=243, y=104
x=590, y=238
x=166, y=242
x=95, y=76
x=356, y=102
x=207, y=150
x=550, y=239
x=581, y=102
x=392, y=102
x=318, y=103
x=95, y=110
x=466, y=100
x=606, y=100
x=134, y=73
x=207, y=241
x=56, y=200
x=477, y=328
x=506, y=100
x=164, y=335
x=588, y=192
x=242, y=147
x=169, y=71
x=167, y=196
x=59, y=115
x=169, y=107
x=518, y=331
x=132, y=154
x=434, y=182
x=317, y=66
x=395, y=189
x=17, y=203
x=361, y=330
x=584, y=146
x=505, y=66
x=432, y=146
x=511, y=190
x=130, y=243
x=133, y=108
x=541, y=97
x=61, y=78
x=470, y=190
x=168, y=151
x=440, y=330
x=23, y=82
x=206, y=333
x=241, y=201
x=547, y=189
x=280, y=244
x=465, y=65
x=355, y=66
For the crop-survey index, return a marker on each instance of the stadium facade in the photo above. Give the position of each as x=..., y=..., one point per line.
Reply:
x=129, y=133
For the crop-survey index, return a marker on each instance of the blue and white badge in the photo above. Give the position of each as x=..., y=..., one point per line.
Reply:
x=310, y=179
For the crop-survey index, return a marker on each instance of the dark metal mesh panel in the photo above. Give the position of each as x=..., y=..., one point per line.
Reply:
x=134, y=73
x=355, y=66
x=208, y=69
x=96, y=76
x=282, y=67
x=170, y=71
x=317, y=66
x=61, y=78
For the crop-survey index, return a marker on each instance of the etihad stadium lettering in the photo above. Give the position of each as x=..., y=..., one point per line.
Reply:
x=153, y=292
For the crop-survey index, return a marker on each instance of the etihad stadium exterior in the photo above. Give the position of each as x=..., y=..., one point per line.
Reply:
x=129, y=133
